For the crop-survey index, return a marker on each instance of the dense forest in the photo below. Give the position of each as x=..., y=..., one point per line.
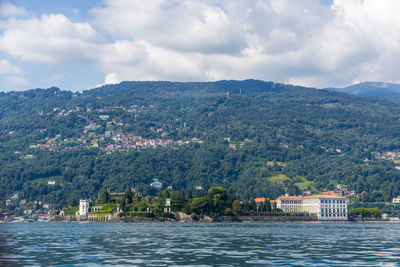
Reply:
x=261, y=139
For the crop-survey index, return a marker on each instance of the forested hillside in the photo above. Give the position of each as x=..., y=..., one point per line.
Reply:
x=261, y=138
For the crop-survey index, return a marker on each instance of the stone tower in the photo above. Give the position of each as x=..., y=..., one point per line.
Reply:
x=84, y=207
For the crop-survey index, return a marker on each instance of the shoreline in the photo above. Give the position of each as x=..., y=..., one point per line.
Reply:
x=154, y=221
x=221, y=219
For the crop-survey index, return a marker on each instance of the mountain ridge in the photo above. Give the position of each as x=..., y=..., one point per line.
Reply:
x=378, y=89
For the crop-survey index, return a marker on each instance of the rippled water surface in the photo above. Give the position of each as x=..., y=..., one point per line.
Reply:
x=199, y=244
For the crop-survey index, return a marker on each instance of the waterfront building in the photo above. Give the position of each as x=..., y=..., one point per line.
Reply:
x=326, y=206
x=259, y=200
x=43, y=217
x=264, y=201
x=396, y=200
x=96, y=208
x=290, y=204
x=167, y=207
x=84, y=205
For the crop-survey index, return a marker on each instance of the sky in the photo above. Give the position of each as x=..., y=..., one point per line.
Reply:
x=77, y=45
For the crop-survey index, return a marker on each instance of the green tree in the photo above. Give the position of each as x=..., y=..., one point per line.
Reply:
x=105, y=196
x=189, y=195
x=74, y=203
x=128, y=195
x=268, y=205
x=236, y=207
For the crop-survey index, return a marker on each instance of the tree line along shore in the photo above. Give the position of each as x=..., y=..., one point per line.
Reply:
x=215, y=205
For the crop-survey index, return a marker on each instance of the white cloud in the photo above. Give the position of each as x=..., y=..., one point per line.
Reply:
x=200, y=40
x=57, y=77
x=112, y=78
x=7, y=68
x=16, y=82
x=9, y=10
x=185, y=26
x=280, y=40
x=51, y=38
x=298, y=41
x=12, y=75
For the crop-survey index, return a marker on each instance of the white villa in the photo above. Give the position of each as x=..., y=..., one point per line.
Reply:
x=327, y=205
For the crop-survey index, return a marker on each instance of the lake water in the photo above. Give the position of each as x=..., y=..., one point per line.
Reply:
x=199, y=244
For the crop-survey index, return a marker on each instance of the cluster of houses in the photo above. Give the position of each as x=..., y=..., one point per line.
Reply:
x=109, y=141
x=235, y=145
x=130, y=141
x=113, y=139
x=388, y=155
x=29, y=210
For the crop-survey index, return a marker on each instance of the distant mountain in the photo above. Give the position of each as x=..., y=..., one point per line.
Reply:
x=379, y=89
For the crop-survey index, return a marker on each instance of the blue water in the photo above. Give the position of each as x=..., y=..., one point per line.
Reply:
x=199, y=244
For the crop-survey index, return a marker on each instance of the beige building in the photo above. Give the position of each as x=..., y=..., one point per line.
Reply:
x=327, y=206
x=396, y=200
x=292, y=204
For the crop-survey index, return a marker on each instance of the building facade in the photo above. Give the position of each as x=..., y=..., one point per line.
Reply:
x=84, y=206
x=396, y=200
x=167, y=207
x=290, y=204
x=327, y=206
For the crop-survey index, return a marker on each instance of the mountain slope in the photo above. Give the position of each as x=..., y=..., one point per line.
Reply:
x=260, y=138
x=379, y=89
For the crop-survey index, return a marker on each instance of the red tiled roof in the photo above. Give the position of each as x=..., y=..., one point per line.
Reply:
x=290, y=197
x=324, y=196
x=329, y=194
x=263, y=199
